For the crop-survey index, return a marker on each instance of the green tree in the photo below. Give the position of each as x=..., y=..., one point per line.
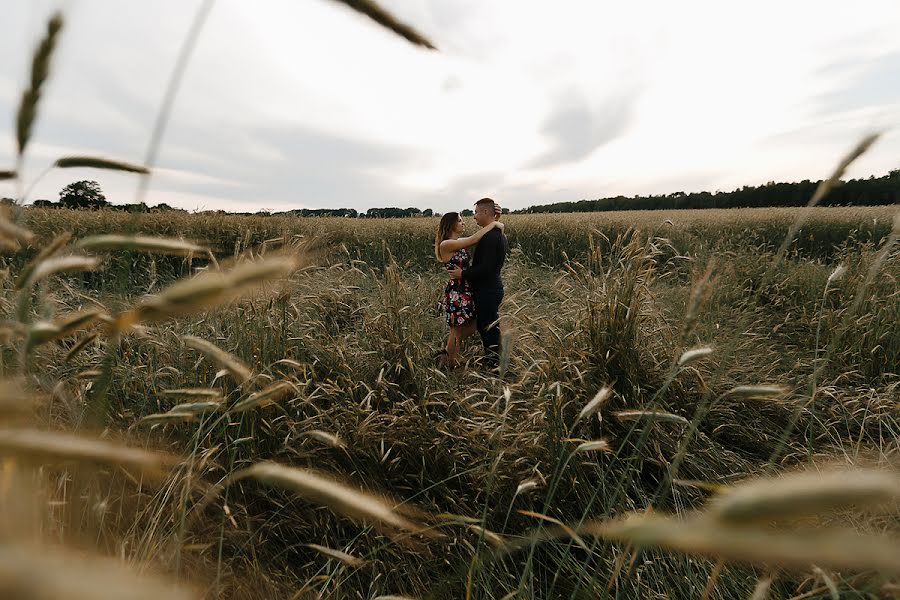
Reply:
x=82, y=194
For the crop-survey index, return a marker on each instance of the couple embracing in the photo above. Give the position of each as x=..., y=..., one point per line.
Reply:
x=474, y=291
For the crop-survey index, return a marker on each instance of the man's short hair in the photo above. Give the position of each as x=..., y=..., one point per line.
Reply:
x=487, y=202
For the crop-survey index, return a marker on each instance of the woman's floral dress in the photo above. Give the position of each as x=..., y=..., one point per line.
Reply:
x=458, y=300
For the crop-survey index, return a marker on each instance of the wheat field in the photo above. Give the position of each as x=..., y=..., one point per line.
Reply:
x=689, y=403
x=248, y=407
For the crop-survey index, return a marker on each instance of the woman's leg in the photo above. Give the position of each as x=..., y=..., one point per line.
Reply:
x=458, y=335
x=453, y=343
x=467, y=330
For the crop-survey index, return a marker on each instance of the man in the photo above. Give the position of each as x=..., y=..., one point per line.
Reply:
x=484, y=276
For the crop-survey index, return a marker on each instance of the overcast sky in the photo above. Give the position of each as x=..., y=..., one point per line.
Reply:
x=304, y=103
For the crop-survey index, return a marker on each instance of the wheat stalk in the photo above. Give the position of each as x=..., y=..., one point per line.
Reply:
x=835, y=548
x=375, y=12
x=30, y=572
x=345, y=558
x=692, y=356
x=40, y=67
x=59, y=264
x=79, y=346
x=58, y=447
x=652, y=415
x=800, y=494
x=329, y=439
x=11, y=234
x=42, y=332
x=593, y=446
x=338, y=497
x=139, y=243
x=93, y=162
x=238, y=371
x=265, y=397
x=596, y=403
x=14, y=397
x=196, y=408
x=167, y=417
x=196, y=394
x=208, y=290
x=48, y=251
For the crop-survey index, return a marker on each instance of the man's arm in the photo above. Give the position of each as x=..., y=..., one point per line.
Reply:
x=489, y=263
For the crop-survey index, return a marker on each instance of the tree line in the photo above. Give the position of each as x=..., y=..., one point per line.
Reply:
x=373, y=213
x=855, y=192
x=87, y=195
x=873, y=191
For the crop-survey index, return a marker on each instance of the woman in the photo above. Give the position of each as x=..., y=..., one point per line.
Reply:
x=450, y=249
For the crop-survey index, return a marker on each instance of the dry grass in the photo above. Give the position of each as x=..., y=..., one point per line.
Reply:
x=314, y=451
x=40, y=573
x=325, y=382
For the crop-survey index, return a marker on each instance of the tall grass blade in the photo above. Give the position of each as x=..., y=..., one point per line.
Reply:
x=838, y=549
x=30, y=572
x=139, y=243
x=11, y=234
x=692, y=356
x=195, y=394
x=347, y=559
x=596, y=403
x=93, y=162
x=238, y=371
x=650, y=415
x=49, y=447
x=802, y=494
x=42, y=332
x=48, y=251
x=340, y=498
x=265, y=397
x=375, y=12
x=60, y=264
x=40, y=68
x=209, y=289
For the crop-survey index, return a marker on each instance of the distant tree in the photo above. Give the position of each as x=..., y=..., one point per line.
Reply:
x=467, y=212
x=82, y=194
x=44, y=204
x=325, y=212
x=133, y=208
x=427, y=212
x=7, y=202
x=392, y=213
x=163, y=207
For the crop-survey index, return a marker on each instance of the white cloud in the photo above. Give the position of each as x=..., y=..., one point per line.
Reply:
x=306, y=103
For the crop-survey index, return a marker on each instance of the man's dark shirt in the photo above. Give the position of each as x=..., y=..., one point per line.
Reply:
x=490, y=254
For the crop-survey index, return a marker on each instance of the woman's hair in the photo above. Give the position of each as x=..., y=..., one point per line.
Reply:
x=448, y=222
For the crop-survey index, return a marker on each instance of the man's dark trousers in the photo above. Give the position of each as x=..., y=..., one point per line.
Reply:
x=487, y=317
x=487, y=288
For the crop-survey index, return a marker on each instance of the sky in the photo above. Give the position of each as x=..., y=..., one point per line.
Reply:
x=290, y=104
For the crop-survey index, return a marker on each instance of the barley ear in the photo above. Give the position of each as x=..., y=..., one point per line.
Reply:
x=93, y=162
x=40, y=67
x=372, y=10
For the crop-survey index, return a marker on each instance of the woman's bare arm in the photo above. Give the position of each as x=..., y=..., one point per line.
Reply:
x=448, y=246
